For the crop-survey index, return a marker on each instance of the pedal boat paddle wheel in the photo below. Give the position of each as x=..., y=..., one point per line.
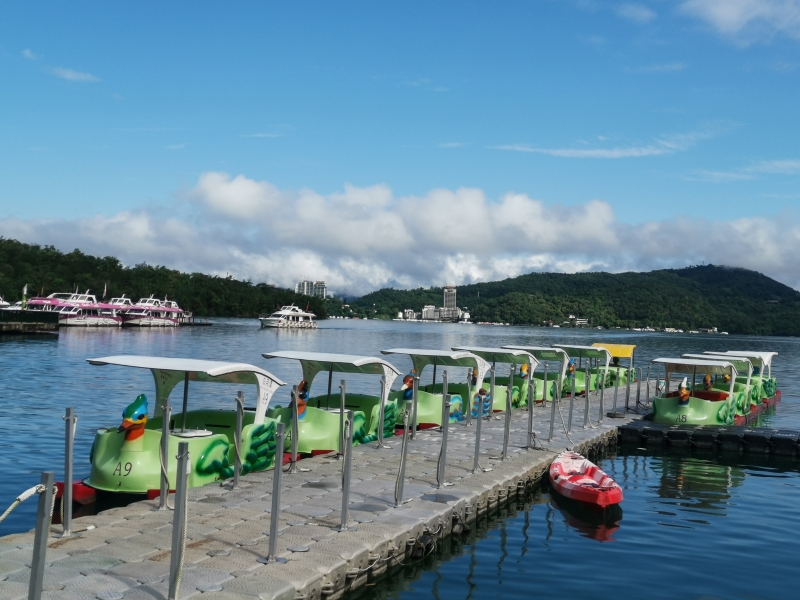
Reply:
x=545, y=355
x=595, y=358
x=429, y=396
x=765, y=384
x=129, y=457
x=690, y=404
x=320, y=423
x=521, y=365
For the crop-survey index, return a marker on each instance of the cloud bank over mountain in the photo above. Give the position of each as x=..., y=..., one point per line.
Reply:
x=365, y=238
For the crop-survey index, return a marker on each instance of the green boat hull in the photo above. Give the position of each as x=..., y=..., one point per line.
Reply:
x=134, y=466
x=429, y=408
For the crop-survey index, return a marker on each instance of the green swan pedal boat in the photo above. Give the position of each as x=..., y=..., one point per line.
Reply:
x=320, y=427
x=545, y=355
x=623, y=373
x=765, y=385
x=698, y=406
x=597, y=360
x=521, y=365
x=128, y=458
x=429, y=397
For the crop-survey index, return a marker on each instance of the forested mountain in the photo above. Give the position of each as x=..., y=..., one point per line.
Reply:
x=46, y=270
x=731, y=299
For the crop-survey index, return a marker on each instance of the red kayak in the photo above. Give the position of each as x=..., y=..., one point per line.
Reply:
x=574, y=477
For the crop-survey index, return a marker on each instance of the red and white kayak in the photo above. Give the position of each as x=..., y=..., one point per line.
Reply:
x=575, y=477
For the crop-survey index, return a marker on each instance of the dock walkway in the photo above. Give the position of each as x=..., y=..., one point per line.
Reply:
x=127, y=554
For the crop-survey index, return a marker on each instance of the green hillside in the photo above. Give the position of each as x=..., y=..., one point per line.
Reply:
x=46, y=270
x=731, y=299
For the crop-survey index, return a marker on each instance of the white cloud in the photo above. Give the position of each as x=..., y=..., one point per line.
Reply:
x=747, y=19
x=766, y=167
x=71, y=75
x=636, y=12
x=29, y=54
x=364, y=238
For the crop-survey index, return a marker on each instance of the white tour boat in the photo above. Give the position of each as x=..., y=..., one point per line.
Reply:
x=289, y=317
x=152, y=312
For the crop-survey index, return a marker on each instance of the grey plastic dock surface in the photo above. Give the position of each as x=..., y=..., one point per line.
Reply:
x=127, y=553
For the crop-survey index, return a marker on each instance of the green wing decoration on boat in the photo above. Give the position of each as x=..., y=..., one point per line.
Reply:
x=214, y=459
x=259, y=448
x=360, y=435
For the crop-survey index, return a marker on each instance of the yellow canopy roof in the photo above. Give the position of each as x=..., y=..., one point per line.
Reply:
x=618, y=350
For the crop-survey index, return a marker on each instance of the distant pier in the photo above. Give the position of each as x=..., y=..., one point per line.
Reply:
x=28, y=321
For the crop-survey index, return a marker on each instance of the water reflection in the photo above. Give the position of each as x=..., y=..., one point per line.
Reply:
x=587, y=521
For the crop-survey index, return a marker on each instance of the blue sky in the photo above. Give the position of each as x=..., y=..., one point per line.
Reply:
x=124, y=124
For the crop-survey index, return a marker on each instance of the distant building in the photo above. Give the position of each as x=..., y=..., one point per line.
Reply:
x=430, y=313
x=450, y=297
x=312, y=288
x=409, y=315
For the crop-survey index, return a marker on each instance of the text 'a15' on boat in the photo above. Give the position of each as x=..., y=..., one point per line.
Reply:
x=429, y=398
x=289, y=317
x=152, y=312
x=320, y=422
x=128, y=458
x=579, y=479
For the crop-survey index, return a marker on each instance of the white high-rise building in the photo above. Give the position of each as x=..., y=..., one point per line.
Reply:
x=450, y=296
x=311, y=288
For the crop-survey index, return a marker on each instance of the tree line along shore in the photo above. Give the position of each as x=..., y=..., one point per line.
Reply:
x=731, y=299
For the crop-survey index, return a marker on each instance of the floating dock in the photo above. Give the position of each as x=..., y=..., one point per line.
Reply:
x=28, y=321
x=127, y=553
x=734, y=439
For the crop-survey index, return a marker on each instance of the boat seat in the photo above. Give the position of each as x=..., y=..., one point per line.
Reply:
x=192, y=433
x=713, y=396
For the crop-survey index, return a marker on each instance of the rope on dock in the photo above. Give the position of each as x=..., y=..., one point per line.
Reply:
x=37, y=489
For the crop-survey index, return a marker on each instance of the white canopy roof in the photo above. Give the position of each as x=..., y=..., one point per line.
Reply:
x=585, y=352
x=742, y=364
x=545, y=353
x=169, y=372
x=688, y=365
x=314, y=362
x=762, y=359
x=502, y=355
x=421, y=358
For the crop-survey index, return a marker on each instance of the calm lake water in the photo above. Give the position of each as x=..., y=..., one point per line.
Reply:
x=691, y=525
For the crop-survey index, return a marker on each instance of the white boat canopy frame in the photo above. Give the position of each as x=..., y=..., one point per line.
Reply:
x=597, y=352
x=546, y=354
x=421, y=358
x=169, y=372
x=692, y=365
x=501, y=355
x=742, y=365
x=761, y=359
x=313, y=363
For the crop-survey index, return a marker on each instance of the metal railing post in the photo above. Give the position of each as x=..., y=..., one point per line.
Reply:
x=507, y=423
x=342, y=437
x=638, y=388
x=556, y=400
x=572, y=401
x=166, y=417
x=616, y=390
x=346, y=467
x=66, y=497
x=414, y=405
x=475, y=465
x=647, y=391
x=628, y=390
x=381, y=414
x=467, y=404
x=295, y=432
x=602, y=397
x=440, y=470
x=179, y=522
x=43, y=514
x=531, y=405
x=237, y=440
x=586, y=403
x=275, y=509
x=491, y=395
x=401, y=472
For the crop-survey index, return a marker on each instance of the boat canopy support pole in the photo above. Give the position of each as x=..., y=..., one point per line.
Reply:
x=491, y=394
x=467, y=405
x=507, y=424
x=330, y=382
x=237, y=468
x=433, y=386
x=382, y=413
x=415, y=403
x=185, y=401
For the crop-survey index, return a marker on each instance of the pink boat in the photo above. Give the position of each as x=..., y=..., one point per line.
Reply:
x=152, y=312
x=78, y=310
x=577, y=478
